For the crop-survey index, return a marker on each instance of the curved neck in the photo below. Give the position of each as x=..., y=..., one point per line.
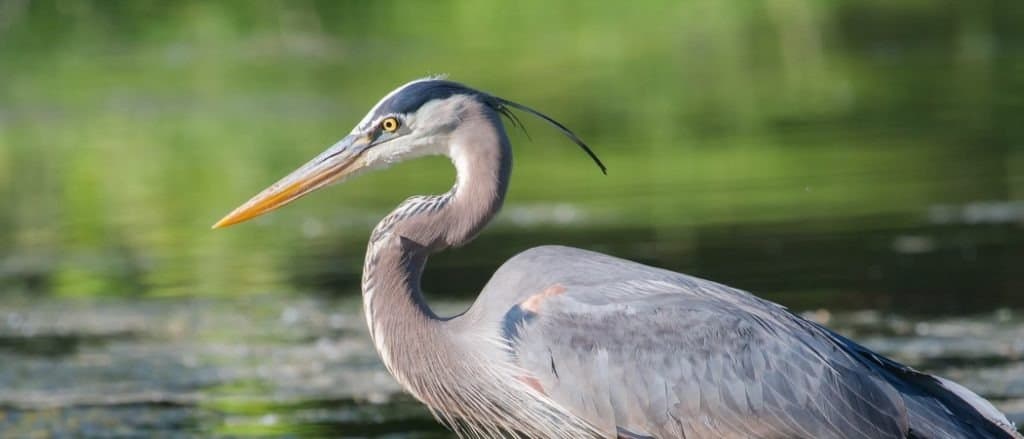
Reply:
x=407, y=334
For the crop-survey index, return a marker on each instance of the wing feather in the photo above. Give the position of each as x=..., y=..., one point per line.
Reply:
x=643, y=352
x=660, y=357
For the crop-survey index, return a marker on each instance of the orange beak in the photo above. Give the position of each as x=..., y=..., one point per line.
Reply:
x=334, y=165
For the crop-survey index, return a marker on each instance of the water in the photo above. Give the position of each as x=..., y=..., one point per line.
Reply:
x=196, y=367
x=272, y=366
x=858, y=161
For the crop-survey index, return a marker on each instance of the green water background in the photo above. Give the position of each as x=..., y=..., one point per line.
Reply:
x=127, y=128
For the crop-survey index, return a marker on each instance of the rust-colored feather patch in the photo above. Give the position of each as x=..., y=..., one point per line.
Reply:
x=532, y=303
x=533, y=383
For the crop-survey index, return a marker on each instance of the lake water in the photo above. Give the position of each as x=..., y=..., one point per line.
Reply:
x=270, y=366
x=862, y=162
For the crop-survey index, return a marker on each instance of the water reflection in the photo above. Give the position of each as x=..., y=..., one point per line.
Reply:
x=269, y=366
x=278, y=366
x=120, y=142
x=891, y=263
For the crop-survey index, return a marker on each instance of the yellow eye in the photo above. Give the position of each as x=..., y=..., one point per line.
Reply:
x=390, y=124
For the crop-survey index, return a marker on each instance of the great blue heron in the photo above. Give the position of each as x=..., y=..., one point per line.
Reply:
x=565, y=343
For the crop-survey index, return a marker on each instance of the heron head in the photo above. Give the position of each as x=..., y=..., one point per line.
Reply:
x=414, y=120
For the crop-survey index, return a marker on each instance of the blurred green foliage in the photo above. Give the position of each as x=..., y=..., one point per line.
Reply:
x=128, y=127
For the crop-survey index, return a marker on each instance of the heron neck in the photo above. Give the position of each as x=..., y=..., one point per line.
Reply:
x=409, y=336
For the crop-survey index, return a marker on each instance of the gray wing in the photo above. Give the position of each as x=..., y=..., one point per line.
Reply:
x=642, y=352
x=659, y=364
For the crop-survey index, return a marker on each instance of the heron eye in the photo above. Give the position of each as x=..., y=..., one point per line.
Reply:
x=390, y=124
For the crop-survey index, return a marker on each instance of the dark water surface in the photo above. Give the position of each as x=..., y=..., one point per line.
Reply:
x=174, y=367
x=274, y=366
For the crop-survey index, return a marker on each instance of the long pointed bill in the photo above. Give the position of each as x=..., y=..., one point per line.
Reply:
x=337, y=162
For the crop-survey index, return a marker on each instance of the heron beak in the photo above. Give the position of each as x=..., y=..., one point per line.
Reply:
x=333, y=165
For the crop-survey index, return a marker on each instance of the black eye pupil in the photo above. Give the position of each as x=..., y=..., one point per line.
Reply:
x=390, y=124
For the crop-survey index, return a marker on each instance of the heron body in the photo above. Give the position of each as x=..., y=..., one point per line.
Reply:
x=565, y=342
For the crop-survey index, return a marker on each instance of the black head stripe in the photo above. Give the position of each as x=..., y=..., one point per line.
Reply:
x=412, y=97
